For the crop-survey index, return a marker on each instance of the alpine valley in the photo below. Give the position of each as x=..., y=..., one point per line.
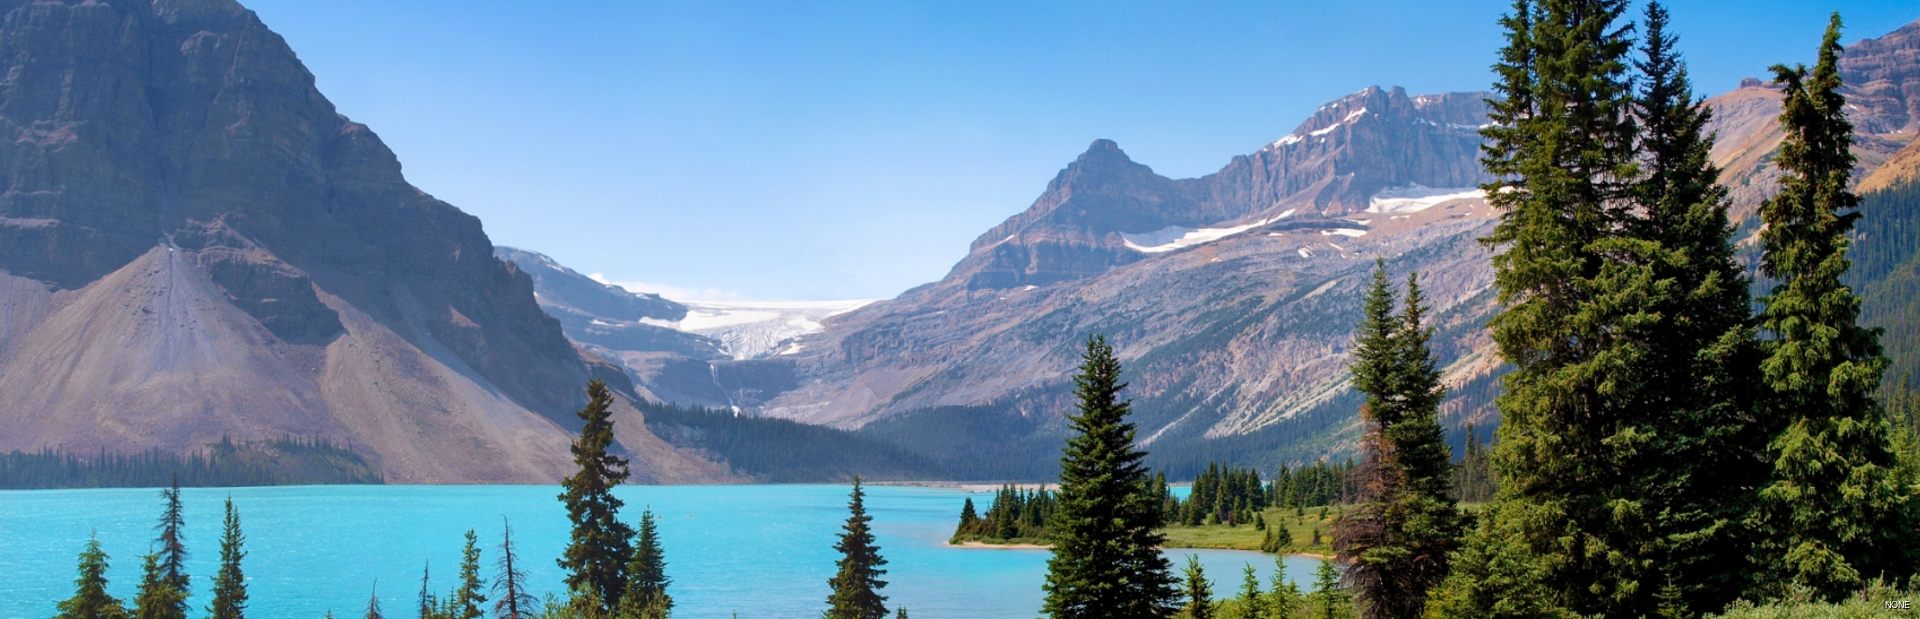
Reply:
x=196, y=248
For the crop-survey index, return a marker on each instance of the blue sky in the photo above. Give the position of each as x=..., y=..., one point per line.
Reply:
x=814, y=150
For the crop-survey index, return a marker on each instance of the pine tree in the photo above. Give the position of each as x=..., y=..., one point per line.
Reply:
x=512, y=600
x=596, y=554
x=157, y=599
x=1199, y=594
x=1106, y=542
x=1286, y=595
x=1326, y=587
x=1701, y=464
x=1580, y=299
x=373, y=605
x=856, y=583
x=90, y=598
x=1831, y=517
x=469, y=599
x=229, y=583
x=173, y=553
x=428, y=603
x=969, y=518
x=1253, y=604
x=646, y=595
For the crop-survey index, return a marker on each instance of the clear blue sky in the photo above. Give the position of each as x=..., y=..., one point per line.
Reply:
x=813, y=150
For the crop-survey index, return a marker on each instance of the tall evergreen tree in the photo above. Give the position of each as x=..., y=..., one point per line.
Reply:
x=229, y=583
x=512, y=600
x=1832, y=515
x=856, y=583
x=646, y=596
x=373, y=604
x=1580, y=302
x=1198, y=592
x=90, y=598
x=596, y=555
x=1400, y=533
x=1702, y=462
x=1106, y=541
x=1326, y=589
x=157, y=599
x=1253, y=603
x=470, y=598
x=173, y=550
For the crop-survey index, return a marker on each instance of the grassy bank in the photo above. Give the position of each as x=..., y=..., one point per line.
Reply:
x=1295, y=528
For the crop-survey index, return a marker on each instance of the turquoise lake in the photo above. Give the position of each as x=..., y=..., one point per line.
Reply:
x=759, y=550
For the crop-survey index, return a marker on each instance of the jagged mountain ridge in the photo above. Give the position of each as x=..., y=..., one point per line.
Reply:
x=195, y=244
x=1242, y=334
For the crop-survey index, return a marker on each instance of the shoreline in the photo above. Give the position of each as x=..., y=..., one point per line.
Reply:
x=977, y=545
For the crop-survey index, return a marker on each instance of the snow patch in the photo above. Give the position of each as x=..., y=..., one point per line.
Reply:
x=1306, y=253
x=1414, y=198
x=1343, y=232
x=1175, y=237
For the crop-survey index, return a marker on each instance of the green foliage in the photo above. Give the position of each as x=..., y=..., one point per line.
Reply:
x=646, y=596
x=597, y=551
x=1253, y=602
x=1495, y=575
x=157, y=599
x=173, y=585
x=1834, y=514
x=783, y=450
x=856, y=583
x=1016, y=515
x=373, y=606
x=1106, y=542
x=469, y=597
x=1330, y=599
x=90, y=599
x=229, y=582
x=1473, y=477
x=1869, y=603
x=280, y=461
x=1199, y=594
x=1400, y=533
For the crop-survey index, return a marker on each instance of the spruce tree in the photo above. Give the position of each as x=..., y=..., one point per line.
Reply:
x=157, y=599
x=428, y=605
x=1286, y=594
x=90, y=598
x=1326, y=588
x=1199, y=594
x=229, y=583
x=596, y=554
x=646, y=595
x=373, y=605
x=1583, y=408
x=1832, y=515
x=173, y=551
x=1253, y=603
x=856, y=581
x=1106, y=541
x=469, y=599
x=512, y=600
x=1701, y=460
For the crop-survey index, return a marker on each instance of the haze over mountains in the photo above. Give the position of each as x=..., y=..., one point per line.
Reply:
x=194, y=244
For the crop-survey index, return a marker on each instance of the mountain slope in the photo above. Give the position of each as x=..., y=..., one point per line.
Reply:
x=1231, y=297
x=195, y=244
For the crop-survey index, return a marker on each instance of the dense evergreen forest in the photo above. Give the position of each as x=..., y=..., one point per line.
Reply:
x=280, y=461
x=780, y=450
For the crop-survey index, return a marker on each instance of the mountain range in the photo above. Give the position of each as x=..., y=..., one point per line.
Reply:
x=195, y=245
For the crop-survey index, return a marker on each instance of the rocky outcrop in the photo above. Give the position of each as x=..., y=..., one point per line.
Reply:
x=171, y=176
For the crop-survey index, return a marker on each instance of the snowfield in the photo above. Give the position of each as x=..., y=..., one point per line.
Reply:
x=1414, y=198
x=1175, y=237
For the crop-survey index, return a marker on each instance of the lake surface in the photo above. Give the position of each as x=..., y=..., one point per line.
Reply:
x=760, y=550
